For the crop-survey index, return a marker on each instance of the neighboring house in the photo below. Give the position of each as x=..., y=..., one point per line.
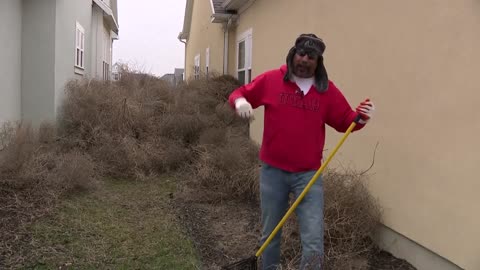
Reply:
x=45, y=44
x=116, y=72
x=178, y=75
x=418, y=60
x=169, y=77
x=174, y=78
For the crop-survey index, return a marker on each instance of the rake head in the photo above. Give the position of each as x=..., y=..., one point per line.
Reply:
x=246, y=264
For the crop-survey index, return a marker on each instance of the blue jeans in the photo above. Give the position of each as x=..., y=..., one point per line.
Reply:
x=275, y=187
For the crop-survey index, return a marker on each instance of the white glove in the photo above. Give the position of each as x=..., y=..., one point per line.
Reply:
x=366, y=110
x=243, y=108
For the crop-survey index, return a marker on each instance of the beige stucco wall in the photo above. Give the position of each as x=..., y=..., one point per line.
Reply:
x=203, y=35
x=418, y=61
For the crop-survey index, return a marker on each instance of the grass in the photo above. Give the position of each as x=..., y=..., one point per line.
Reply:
x=122, y=225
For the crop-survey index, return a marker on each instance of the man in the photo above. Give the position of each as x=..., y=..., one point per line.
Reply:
x=299, y=100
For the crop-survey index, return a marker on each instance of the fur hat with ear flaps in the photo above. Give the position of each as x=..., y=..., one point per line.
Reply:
x=309, y=43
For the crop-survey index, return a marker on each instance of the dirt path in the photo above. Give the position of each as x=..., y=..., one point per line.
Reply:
x=223, y=232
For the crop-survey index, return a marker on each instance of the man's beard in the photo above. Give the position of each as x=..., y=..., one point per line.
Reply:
x=303, y=71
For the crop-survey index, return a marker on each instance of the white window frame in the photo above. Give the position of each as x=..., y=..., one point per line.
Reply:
x=79, y=47
x=207, y=60
x=196, y=67
x=246, y=37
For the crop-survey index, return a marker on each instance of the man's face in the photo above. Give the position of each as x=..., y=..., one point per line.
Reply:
x=305, y=63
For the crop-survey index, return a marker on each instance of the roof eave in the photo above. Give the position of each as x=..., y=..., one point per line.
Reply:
x=183, y=35
x=187, y=20
x=220, y=17
x=234, y=4
x=108, y=14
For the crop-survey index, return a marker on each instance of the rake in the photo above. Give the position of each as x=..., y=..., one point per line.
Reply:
x=251, y=262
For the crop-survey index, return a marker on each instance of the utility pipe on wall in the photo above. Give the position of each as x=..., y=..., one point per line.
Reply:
x=226, y=30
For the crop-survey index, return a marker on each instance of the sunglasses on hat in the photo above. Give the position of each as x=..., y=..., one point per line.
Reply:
x=311, y=54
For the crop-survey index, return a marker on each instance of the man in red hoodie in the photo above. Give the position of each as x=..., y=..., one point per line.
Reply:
x=299, y=100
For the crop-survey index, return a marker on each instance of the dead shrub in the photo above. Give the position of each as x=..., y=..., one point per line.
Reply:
x=7, y=131
x=226, y=115
x=111, y=153
x=137, y=128
x=213, y=136
x=175, y=155
x=47, y=133
x=159, y=155
x=126, y=157
x=134, y=79
x=31, y=158
x=185, y=127
x=34, y=173
x=215, y=86
x=56, y=174
x=221, y=87
x=197, y=101
x=18, y=147
x=205, y=94
x=92, y=107
x=351, y=217
x=37, y=168
x=229, y=170
x=73, y=172
x=124, y=125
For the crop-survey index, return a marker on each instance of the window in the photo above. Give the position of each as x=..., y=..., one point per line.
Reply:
x=207, y=61
x=196, y=67
x=244, y=57
x=106, y=71
x=80, y=47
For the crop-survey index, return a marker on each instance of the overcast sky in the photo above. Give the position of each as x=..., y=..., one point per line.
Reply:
x=148, y=35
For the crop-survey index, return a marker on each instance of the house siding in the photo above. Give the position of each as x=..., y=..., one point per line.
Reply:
x=101, y=37
x=97, y=23
x=418, y=62
x=421, y=74
x=68, y=13
x=11, y=58
x=38, y=54
x=38, y=60
x=203, y=35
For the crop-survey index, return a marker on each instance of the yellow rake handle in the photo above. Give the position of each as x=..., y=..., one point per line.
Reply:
x=307, y=188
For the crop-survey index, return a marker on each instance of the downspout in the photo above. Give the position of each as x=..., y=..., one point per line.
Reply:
x=225, y=49
x=185, y=58
x=226, y=30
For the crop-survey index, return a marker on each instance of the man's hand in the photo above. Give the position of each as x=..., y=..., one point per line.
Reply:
x=243, y=108
x=366, y=110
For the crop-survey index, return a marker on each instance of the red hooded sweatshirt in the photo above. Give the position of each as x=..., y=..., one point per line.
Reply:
x=294, y=124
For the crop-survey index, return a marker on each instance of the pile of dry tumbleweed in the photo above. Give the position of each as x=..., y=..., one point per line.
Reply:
x=141, y=127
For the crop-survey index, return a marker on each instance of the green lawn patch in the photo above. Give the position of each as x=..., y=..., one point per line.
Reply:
x=122, y=225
